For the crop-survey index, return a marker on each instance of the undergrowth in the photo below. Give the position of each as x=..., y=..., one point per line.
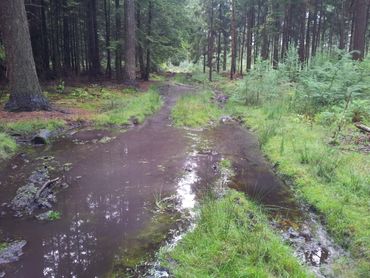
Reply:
x=303, y=119
x=232, y=239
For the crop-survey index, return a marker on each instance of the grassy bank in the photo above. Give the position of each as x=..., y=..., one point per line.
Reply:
x=304, y=119
x=305, y=123
x=232, y=239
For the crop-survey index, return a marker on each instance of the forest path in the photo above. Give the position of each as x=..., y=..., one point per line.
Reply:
x=118, y=179
x=110, y=200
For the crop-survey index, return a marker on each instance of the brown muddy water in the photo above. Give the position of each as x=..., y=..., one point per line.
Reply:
x=115, y=188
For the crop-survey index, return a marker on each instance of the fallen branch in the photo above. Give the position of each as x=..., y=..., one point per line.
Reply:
x=363, y=127
x=46, y=185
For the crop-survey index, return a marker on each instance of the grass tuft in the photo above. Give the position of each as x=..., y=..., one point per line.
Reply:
x=232, y=239
x=7, y=146
x=195, y=110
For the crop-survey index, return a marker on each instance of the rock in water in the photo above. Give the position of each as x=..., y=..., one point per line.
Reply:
x=12, y=252
x=42, y=138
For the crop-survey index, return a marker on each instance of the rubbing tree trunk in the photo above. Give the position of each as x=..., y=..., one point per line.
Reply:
x=25, y=91
x=233, y=41
x=360, y=11
x=130, y=43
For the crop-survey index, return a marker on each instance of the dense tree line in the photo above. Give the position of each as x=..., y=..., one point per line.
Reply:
x=249, y=29
x=129, y=39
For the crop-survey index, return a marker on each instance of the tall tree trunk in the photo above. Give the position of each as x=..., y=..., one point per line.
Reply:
x=130, y=43
x=25, y=90
x=224, y=56
x=250, y=36
x=210, y=42
x=302, y=29
x=148, y=45
x=233, y=41
x=219, y=37
x=242, y=45
x=107, y=15
x=118, y=39
x=360, y=11
x=93, y=43
x=140, y=43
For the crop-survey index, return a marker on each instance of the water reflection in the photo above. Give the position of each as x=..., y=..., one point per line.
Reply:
x=74, y=249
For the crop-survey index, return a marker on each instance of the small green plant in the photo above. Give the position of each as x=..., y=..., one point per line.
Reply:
x=7, y=146
x=54, y=215
x=60, y=87
x=3, y=245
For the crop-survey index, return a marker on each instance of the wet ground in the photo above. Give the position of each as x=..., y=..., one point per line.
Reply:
x=122, y=193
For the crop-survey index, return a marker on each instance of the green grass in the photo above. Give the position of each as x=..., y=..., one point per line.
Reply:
x=3, y=245
x=232, y=239
x=27, y=127
x=195, y=110
x=334, y=180
x=7, y=146
x=54, y=215
x=120, y=111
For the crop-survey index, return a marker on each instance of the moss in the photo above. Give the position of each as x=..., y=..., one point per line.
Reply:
x=195, y=110
x=232, y=239
x=7, y=146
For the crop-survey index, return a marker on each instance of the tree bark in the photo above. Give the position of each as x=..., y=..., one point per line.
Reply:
x=25, y=90
x=233, y=41
x=359, y=41
x=149, y=33
x=118, y=54
x=130, y=43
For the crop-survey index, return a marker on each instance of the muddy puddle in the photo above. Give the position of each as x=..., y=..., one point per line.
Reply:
x=111, y=197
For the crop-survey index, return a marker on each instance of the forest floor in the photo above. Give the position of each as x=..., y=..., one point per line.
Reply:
x=128, y=185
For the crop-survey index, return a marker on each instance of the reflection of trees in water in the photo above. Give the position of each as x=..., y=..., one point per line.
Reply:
x=107, y=217
x=71, y=251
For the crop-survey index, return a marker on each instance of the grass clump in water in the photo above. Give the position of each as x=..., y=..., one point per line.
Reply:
x=120, y=111
x=195, y=110
x=232, y=239
x=54, y=215
x=7, y=146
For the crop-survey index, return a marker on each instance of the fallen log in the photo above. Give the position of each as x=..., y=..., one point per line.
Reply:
x=363, y=127
x=46, y=185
